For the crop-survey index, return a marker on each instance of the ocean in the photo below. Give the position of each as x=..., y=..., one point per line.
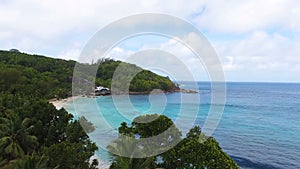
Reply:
x=259, y=128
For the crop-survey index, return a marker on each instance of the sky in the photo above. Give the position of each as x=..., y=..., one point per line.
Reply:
x=255, y=40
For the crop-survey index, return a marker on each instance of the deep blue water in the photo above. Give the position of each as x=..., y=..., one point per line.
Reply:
x=259, y=128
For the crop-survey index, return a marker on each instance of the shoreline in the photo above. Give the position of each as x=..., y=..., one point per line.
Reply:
x=60, y=103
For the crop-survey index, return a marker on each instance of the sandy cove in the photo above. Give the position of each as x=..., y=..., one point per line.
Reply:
x=60, y=103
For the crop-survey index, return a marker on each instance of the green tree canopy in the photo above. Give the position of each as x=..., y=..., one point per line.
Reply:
x=34, y=134
x=191, y=152
x=44, y=77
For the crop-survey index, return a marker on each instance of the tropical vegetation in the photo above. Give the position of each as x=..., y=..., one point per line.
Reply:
x=194, y=151
x=35, y=135
x=45, y=77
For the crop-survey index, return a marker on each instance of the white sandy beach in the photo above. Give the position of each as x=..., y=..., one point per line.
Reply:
x=62, y=102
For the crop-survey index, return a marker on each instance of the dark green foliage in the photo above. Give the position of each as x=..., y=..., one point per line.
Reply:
x=133, y=163
x=29, y=162
x=67, y=155
x=15, y=137
x=147, y=81
x=50, y=125
x=195, y=151
x=191, y=152
x=138, y=80
x=45, y=77
x=143, y=126
x=33, y=75
x=30, y=125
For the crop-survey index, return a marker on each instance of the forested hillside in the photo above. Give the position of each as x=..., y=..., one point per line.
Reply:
x=144, y=81
x=48, y=78
x=35, y=75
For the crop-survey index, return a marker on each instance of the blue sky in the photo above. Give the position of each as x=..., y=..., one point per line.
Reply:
x=255, y=40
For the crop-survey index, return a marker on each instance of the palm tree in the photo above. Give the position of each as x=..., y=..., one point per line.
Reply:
x=30, y=162
x=15, y=140
x=128, y=147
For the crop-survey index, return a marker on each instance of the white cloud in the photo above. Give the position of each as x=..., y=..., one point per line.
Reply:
x=72, y=54
x=119, y=53
x=258, y=55
x=274, y=57
x=230, y=64
x=169, y=55
x=257, y=37
x=46, y=19
x=245, y=16
x=261, y=48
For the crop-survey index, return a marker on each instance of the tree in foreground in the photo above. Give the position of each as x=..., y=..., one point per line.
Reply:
x=189, y=153
x=15, y=140
x=33, y=134
x=30, y=162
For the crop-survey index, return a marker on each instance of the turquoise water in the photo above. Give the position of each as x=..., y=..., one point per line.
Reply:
x=260, y=126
